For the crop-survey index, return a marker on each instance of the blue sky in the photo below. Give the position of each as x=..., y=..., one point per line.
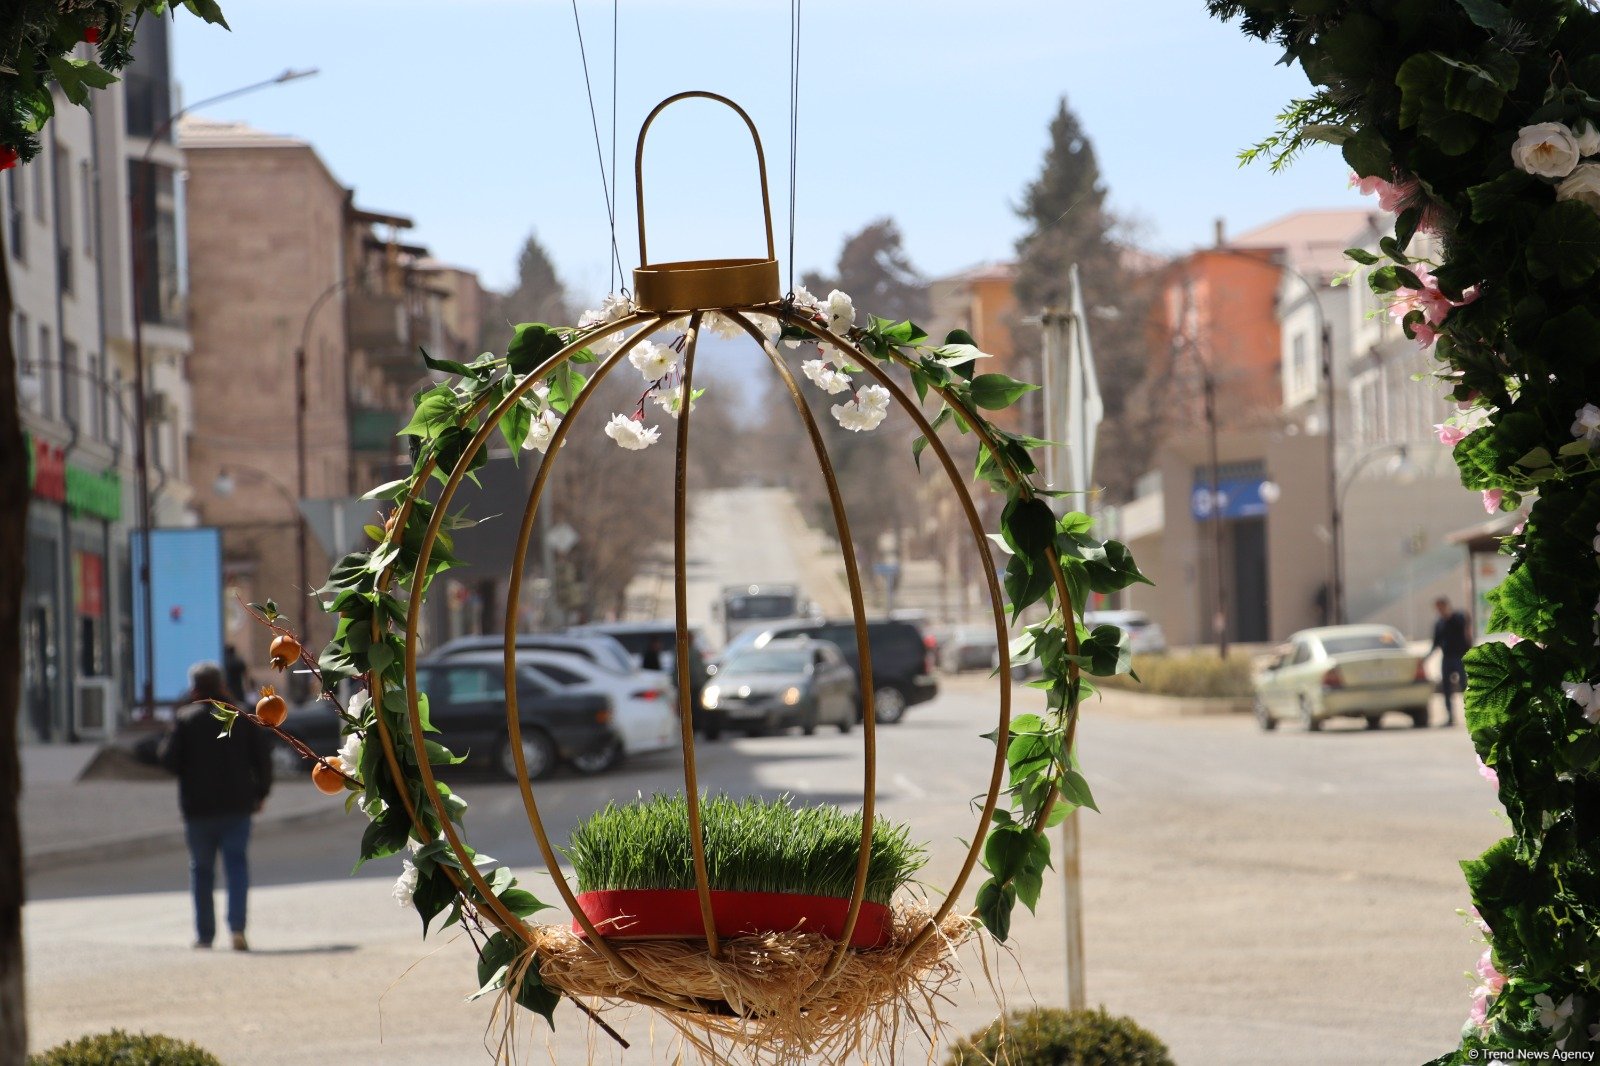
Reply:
x=470, y=116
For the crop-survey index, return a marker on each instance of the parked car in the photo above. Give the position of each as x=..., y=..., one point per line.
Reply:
x=636, y=639
x=645, y=709
x=794, y=681
x=968, y=648
x=1144, y=636
x=1354, y=671
x=902, y=666
x=467, y=704
x=598, y=648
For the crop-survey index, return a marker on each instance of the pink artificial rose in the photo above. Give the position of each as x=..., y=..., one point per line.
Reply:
x=1491, y=499
x=1486, y=772
x=1424, y=334
x=1492, y=979
x=1471, y=398
x=1479, y=1018
x=1450, y=435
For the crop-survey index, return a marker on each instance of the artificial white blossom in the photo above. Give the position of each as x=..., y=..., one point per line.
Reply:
x=1586, y=423
x=866, y=412
x=653, y=361
x=671, y=400
x=541, y=431
x=1553, y=1016
x=359, y=704
x=1588, y=137
x=405, y=886
x=825, y=377
x=612, y=309
x=1547, y=149
x=841, y=312
x=721, y=325
x=1584, y=695
x=631, y=433
x=536, y=398
x=350, y=752
x=805, y=303
x=1582, y=185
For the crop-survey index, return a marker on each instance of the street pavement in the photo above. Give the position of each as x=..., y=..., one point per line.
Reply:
x=1279, y=898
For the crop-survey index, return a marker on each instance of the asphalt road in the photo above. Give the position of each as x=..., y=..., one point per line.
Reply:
x=1274, y=898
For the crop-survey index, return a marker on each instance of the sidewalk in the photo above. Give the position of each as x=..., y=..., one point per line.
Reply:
x=120, y=808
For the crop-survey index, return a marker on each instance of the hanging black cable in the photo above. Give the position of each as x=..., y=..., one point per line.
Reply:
x=606, y=183
x=616, y=260
x=794, y=123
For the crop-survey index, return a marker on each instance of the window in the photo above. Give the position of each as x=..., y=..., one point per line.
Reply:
x=474, y=684
x=71, y=411
x=118, y=426
x=39, y=209
x=560, y=674
x=1302, y=653
x=16, y=221
x=86, y=181
x=154, y=224
x=98, y=398
x=45, y=359
x=26, y=371
x=149, y=96
x=61, y=180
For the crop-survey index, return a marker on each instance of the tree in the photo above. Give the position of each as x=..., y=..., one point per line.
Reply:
x=1069, y=223
x=539, y=297
x=37, y=38
x=874, y=269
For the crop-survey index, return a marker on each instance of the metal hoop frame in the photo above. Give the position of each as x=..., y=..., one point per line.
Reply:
x=649, y=323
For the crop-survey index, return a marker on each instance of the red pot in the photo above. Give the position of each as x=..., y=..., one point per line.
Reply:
x=674, y=913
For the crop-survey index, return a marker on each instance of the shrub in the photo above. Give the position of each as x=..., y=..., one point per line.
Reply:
x=1047, y=1036
x=1195, y=673
x=117, y=1048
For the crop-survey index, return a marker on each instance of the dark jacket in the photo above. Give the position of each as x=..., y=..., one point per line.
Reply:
x=1450, y=635
x=217, y=775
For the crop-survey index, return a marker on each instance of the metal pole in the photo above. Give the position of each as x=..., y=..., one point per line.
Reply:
x=301, y=546
x=1219, y=621
x=1335, y=506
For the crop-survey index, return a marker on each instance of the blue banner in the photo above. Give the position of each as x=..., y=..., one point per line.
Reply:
x=186, y=589
x=1237, y=497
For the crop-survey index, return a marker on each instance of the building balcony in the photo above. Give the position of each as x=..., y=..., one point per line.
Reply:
x=373, y=429
x=378, y=323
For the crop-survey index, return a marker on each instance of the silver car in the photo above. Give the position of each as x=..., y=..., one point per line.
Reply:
x=1356, y=671
x=793, y=681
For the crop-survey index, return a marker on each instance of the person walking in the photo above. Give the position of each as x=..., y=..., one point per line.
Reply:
x=1452, y=637
x=222, y=782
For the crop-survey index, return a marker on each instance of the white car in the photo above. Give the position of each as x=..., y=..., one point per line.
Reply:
x=1354, y=671
x=644, y=702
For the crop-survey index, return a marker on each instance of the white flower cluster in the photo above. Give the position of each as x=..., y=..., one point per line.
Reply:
x=631, y=433
x=866, y=411
x=1586, y=424
x=721, y=325
x=671, y=401
x=405, y=886
x=823, y=375
x=543, y=427
x=1555, y=151
x=612, y=309
x=1585, y=695
x=837, y=314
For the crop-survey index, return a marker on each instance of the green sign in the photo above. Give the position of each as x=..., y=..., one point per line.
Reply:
x=97, y=494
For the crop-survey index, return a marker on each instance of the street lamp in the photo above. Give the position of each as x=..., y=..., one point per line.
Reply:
x=141, y=413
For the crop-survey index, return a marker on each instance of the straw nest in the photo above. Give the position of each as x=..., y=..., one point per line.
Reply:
x=759, y=997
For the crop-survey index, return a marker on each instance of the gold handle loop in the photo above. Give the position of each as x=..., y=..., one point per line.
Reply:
x=638, y=165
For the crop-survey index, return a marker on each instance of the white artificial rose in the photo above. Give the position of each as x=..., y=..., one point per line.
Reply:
x=1582, y=185
x=825, y=377
x=405, y=886
x=541, y=430
x=841, y=312
x=874, y=398
x=631, y=433
x=856, y=418
x=1547, y=149
x=1588, y=137
x=654, y=361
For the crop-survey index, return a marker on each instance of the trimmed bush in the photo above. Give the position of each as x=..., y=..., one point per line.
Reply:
x=118, y=1048
x=1047, y=1036
x=1194, y=673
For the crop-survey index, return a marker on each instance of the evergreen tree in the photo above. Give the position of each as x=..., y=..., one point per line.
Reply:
x=1069, y=223
x=538, y=297
x=875, y=270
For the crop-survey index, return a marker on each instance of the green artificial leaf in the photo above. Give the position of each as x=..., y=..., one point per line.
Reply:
x=1496, y=683
x=514, y=426
x=1029, y=526
x=531, y=345
x=389, y=490
x=997, y=391
x=1486, y=14
x=1107, y=651
x=1473, y=90
x=209, y=10
x=385, y=835
x=1565, y=244
x=1075, y=790
x=995, y=903
x=1025, y=585
x=565, y=384
x=1361, y=255
x=494, y=960
x=521, y=902
x=1368, y=154
x=1112, y=569
x=434, y=893
x=446, y=366
x=437, y=410
x=1491, y=199
x=379, y=658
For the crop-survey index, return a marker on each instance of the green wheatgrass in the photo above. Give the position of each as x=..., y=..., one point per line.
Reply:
x=751, y=845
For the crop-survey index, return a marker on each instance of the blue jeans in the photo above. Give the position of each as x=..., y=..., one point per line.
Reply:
x=229, y=833
x=1452, y=681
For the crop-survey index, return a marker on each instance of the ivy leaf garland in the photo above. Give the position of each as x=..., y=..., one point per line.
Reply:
x=1443, y=102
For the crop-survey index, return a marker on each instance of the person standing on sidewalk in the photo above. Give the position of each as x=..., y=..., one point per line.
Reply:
x=1452, y=637
x=222, y=782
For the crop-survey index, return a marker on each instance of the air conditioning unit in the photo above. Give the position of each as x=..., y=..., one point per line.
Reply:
x=97, y=708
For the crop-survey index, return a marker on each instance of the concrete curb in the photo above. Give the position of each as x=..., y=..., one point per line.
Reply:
x=38, y=860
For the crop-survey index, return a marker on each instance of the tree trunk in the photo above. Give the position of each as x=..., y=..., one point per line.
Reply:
x=13, y=538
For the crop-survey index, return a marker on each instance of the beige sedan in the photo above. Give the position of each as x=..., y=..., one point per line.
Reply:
x=1357, y=671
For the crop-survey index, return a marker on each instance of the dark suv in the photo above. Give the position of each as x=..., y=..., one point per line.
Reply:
x=902, y=670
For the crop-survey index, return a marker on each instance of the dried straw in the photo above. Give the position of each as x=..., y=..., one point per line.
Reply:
x=757, y=1002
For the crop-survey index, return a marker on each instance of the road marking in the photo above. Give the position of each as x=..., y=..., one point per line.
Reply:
x=910, y=787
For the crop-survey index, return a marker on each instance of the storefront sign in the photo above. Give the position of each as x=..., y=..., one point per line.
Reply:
x=89, y=574
x=1235, y=497
x=52, y=478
